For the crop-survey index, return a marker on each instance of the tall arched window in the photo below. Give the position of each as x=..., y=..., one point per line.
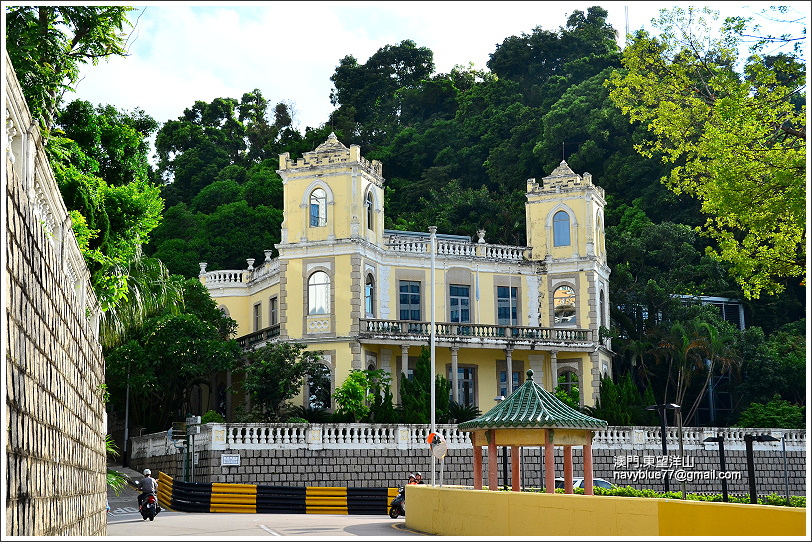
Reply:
x=318, y=208
x=561, y=229
x=319, y=383
x=564, y=299
x=370, y=205
x=369, y=296
x=601, y=309
x=318, y=293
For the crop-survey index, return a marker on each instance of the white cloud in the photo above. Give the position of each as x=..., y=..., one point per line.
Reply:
x=183, y=52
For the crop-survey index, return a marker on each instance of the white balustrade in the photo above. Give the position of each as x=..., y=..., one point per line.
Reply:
x=228, y=276
x=238, y=436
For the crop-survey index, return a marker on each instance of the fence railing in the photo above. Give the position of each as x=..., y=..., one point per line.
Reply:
x=470, y=330
x=317, y=436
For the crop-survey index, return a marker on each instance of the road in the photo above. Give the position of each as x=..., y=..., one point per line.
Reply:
x=125, y=521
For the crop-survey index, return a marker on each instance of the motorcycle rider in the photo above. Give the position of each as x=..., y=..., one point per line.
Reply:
x=148, y=485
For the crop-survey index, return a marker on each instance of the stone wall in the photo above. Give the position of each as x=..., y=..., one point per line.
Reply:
x=374, y=458
x=54, y=463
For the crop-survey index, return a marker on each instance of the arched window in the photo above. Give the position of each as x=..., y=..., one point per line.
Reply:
x=568, y=389
x=319, y=383
x=561, y=229
x=318, y=293
x=601, y=309
x=564, y=300
x=318, y=208
x=369, y=296
x=370, y=205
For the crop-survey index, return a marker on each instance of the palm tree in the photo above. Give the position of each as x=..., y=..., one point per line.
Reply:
x=150, y=290
x=695, y=348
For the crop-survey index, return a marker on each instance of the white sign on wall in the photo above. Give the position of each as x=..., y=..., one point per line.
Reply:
x=230, y=460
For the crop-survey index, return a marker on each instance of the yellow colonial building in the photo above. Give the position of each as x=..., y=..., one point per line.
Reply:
x=361, y=295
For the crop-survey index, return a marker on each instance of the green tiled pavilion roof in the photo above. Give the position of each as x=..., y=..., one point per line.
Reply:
x=529, y=406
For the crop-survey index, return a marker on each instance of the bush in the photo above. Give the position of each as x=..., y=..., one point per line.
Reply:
x=777, y=413
x=212, y=417
x=797, y=501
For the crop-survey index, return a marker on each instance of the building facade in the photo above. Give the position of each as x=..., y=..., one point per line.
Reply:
x=362, y=295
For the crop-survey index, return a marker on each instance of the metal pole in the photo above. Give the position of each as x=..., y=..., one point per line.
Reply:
x=504, y=465
x=751, y=469
x=661, y=409
x=433, y=236
x=125, y=461
x=722, y=465
x=786, y=475
x=681, y=453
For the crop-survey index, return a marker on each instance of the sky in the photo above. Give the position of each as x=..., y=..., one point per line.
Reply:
x=181, y=52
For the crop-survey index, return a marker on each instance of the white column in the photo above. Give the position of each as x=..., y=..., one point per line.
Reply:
x=509, y=370
x=554, y=369
x=455, y=389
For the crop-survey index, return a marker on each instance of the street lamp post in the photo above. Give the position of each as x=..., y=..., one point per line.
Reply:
x=661, y=408
x=721, y=440
x=499, y=399
x=433, y=237
x=751, y=469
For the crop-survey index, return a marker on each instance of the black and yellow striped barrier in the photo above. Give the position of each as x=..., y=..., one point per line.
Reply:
x=249, y=498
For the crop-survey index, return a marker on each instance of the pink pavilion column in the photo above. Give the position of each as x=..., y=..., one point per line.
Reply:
x=568, y=469
x=588, y=489
x=549, y=463
x=477, y=466
x=514, y=468
x=493, y=476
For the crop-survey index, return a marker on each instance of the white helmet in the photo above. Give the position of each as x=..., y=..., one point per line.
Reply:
x=147, y=472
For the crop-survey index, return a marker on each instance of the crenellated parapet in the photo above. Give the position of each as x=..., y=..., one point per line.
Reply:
x=563, y=179
x=332, y=153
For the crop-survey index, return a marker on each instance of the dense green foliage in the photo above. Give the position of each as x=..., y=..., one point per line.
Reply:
x=173, y=351
x=48, y=45
x=275, y=374
x=415, y=393
x=776, y=413
x=736, y=136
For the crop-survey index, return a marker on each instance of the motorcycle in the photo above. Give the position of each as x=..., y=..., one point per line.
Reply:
x=398, y=505
x=150, y=507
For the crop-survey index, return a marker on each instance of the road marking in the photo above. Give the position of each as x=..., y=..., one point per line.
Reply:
x=264, y=528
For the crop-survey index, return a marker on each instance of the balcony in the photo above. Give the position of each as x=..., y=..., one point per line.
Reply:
x=261, y=336
x=400, y=330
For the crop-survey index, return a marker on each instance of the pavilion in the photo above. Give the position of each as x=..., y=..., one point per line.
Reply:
x=532, y=416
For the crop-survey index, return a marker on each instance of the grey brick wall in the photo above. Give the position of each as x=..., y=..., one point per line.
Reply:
x=54, y=416
x=389, y=467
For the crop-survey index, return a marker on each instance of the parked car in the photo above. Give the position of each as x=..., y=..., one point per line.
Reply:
x=579, y=482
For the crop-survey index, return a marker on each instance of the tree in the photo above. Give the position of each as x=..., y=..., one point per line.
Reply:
x=99, y=159
x=774, y=364
x=737, y=138
x=170, y=354
x=622, y=403
x=415, y=393
x=367, y=94
x=352, y=396
x=777, y=413
x=48, y=44
x=694, y=349
x=275, y=374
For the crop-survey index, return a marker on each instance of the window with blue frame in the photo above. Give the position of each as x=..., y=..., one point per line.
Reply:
x=561, y=229
x=318, y=208
x=409, y=300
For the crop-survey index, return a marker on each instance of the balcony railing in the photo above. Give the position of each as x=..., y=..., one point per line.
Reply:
x=403, y=328
x=263, y=335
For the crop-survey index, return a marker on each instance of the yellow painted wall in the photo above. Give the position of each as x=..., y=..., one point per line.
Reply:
x=450, y=511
